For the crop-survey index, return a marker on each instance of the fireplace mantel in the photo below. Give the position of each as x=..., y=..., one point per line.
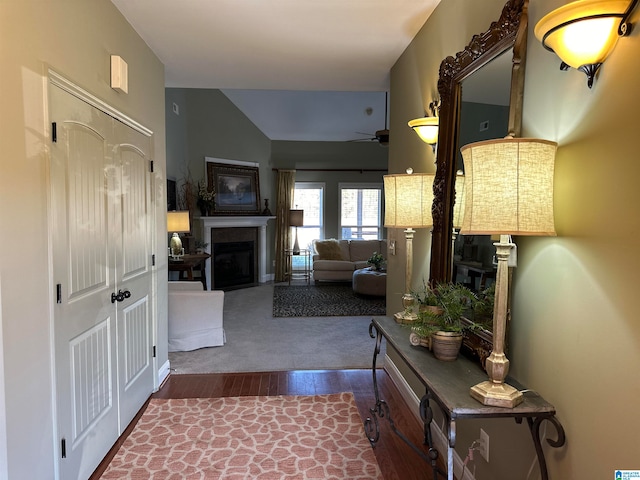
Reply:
x=239, y=221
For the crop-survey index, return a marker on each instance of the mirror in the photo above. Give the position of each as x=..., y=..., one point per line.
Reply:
x=484, y=115
x=507, y=34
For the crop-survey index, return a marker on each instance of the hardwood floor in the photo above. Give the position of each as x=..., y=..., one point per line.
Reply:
x=396, y=459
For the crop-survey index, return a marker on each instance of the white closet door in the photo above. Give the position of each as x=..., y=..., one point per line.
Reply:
x=133, y=270
x=103, y=358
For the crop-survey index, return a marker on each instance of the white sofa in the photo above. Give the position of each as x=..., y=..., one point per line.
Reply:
x=336, y=263
x=195, y=317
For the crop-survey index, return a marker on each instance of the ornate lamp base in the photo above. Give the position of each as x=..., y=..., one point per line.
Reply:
x=405, y=317
x=496, y=394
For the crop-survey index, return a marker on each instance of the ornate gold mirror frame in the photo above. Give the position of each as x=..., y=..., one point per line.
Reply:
x=509, y=32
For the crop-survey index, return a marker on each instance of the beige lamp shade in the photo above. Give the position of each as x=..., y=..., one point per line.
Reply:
x=426, y=128
x=178, y=222
x=578, y=38
x=458, y=206
x=509, y=187
x=408, y=200
x=296, y=218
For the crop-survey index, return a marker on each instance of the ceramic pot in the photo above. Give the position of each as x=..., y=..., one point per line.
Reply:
x=446, y=345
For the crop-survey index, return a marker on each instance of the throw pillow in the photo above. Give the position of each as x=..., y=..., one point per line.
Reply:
x=329, y=249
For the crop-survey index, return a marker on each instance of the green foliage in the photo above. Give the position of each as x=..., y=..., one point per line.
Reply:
x=426, y=296
x=452, y=300
x=483, y=308
x=376, y=260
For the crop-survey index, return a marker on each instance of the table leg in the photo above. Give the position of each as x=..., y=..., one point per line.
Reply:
x=381, y=409
x=534, y=428
x=426, y=414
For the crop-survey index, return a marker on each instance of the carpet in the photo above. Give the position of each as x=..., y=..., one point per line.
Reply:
x=263, y=438
x=258, y=342
x=324, y=301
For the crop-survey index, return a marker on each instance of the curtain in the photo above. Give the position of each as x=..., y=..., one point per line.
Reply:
x=284, y=202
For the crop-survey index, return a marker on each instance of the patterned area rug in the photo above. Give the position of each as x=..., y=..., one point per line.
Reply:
x=324, y=301
x=264, y=438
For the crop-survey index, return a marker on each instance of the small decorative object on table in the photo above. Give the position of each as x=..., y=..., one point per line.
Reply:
x=201, y=246
x=376, y=261
x=266, y=210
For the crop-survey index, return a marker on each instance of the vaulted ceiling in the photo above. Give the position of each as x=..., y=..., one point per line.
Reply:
x=300, y=70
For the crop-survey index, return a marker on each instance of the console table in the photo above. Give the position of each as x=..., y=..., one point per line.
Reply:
x=448, y=383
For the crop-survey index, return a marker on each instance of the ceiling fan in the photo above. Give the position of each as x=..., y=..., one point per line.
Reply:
x=381, y=136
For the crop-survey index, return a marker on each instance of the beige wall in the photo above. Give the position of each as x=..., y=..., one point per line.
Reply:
x=575, y=335
x=76, y=38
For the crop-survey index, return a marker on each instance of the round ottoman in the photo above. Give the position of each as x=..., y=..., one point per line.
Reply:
x=370, y=282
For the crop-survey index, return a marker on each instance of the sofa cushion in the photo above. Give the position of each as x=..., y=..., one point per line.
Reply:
x=361, y=250
x=329, y=249
x=333, y=265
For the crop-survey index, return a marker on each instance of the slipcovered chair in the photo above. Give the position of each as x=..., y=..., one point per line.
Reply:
x=195, y=317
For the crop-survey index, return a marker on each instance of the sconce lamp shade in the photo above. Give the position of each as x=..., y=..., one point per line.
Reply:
x=458, y=206
x=296, y=218
x=178, y=222
x=408, y=200
x=426, y=128
x=509, y=187
x=583, y=33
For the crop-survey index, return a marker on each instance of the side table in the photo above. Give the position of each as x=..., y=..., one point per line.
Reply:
x=187, y=264
x=305, y=272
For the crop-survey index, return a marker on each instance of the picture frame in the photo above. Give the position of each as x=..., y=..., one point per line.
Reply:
x=237, y=188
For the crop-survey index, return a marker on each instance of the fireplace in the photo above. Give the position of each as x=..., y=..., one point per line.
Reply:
x=258, y=223
x=234, y=258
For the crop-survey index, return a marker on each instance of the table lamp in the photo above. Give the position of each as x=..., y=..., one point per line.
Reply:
x=408, y=200
x=296, y=219
x=177, y=222
x=508, y=191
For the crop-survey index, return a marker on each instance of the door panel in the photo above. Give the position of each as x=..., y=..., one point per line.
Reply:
x=83, y=266
x=101, y=246
x=133, y=261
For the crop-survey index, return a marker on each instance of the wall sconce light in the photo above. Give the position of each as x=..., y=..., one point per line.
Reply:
x=427, y=127
x=583, y=33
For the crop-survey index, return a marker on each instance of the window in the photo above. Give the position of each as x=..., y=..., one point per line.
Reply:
x=309, y=197
x=360, y=211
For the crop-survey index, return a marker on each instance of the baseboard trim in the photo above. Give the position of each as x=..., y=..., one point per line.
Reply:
x=437, y=433
x=163, y=373
x=268, y=277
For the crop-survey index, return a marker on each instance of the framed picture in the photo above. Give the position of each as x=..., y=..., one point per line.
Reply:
x=237, y=188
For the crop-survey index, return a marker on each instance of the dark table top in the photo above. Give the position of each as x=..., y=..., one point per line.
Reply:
x=449, y=382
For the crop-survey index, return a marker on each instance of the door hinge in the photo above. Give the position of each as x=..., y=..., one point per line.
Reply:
x=59, y=293
x=151, y=166
x=154, y=351
x=153, y=260
x=63, y=448
x=54, y=132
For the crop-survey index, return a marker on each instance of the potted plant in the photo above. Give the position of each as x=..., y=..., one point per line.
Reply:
x=201, y=246
x=440, y=326
x=205, y=199
x=376, y=261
